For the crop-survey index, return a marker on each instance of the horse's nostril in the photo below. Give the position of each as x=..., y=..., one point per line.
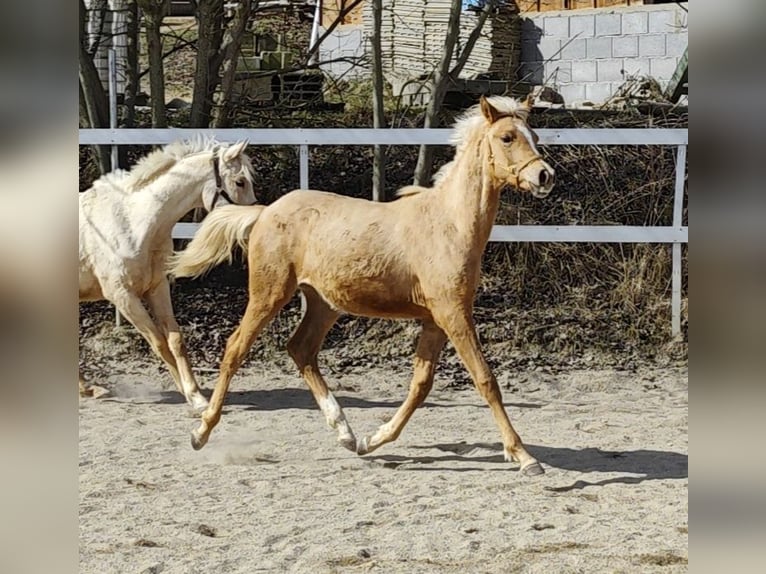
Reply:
x=543, y=177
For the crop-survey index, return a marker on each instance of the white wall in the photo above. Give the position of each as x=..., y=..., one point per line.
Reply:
x=585, y=55
x=344, y=42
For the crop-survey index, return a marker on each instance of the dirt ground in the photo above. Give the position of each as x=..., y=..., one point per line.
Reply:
x=272, y=492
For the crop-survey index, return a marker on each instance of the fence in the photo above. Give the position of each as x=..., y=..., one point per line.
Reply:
x=675, y=234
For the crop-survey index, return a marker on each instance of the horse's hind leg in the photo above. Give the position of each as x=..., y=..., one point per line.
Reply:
x=430, y=344
x=132, y=308
x=304, y=346
x=265, y=300
x=162, y=308
x=461, y=331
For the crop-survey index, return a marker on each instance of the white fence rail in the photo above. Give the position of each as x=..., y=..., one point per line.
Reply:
x=675, y=234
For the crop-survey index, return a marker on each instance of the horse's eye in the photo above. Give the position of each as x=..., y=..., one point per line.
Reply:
x=240, y=183
x=507, y=138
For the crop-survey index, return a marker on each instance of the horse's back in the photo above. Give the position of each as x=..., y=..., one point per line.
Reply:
x=324, y=222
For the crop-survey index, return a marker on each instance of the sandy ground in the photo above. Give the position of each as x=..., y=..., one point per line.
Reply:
x=272, y=492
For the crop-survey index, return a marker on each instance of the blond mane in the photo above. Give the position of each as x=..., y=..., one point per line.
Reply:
x=467, y=126
x=155, y=164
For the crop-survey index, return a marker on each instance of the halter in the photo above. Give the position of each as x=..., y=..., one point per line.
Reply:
x=516, y=168
x=219, y=190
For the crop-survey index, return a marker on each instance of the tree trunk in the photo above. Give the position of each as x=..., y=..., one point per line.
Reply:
x=441, y=78
x=209, y=38
x=132, y=81
x=462, y=58
x=155, y=11
x=379, y=119
x=439, y=84
x=231, y=49
x=93, y=105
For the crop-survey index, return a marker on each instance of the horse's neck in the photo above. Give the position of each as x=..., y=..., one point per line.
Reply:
x=472, y=200
x=157, y=207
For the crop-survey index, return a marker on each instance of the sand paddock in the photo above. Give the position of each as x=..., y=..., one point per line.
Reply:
x=272, y=492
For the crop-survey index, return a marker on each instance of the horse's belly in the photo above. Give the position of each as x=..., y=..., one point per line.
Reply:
x=90, y=288
x=371, y=299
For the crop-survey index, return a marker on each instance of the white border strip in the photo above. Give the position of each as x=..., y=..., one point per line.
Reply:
x=549, y=233
x=372, y=136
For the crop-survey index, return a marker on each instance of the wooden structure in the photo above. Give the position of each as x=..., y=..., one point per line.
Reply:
x=331, y=10
x=679, y=83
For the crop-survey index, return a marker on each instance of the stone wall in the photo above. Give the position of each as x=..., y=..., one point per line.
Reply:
x=585, y=55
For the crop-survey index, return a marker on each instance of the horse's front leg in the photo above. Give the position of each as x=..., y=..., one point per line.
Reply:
x=162, y=308
x=262, y=306
x=461, y=331
x=430, y=344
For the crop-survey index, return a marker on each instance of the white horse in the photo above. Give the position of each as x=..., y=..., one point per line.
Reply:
x=126, y=221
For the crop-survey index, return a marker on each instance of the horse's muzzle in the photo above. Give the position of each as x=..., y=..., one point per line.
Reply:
x=541, y=179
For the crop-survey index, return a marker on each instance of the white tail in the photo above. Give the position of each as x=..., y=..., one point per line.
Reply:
x=221, y=230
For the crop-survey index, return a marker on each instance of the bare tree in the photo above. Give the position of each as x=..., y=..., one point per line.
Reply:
x=441, y=77
x=210, y=18
x=94, y=107
x=132, y=78
x=345, y=11
x=378, y=114
x=232, y=45
x=154, y=13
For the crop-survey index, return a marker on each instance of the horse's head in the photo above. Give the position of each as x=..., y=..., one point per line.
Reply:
x=233, y=177
x=513, y=152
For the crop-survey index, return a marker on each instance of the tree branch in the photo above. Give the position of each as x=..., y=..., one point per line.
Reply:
x=342, y=14
x=472, y=38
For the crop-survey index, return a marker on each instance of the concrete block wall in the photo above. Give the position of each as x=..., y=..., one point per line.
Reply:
x=585, y=55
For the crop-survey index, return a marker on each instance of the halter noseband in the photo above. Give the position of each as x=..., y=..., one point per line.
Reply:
x=219, y=190
x=516, y=168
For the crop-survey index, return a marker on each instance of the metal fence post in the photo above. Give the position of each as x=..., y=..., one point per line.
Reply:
x=678, y=214
x=112, y=69
x=303, y=161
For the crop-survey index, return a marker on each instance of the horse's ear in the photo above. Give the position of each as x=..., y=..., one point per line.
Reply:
x=234, y=151
x=530, y=101
x=488, y=111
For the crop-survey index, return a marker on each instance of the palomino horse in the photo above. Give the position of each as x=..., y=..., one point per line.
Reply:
x=418, y=257
x=126, y=220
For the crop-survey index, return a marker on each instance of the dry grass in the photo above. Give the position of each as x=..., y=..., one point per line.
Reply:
x=557, y=302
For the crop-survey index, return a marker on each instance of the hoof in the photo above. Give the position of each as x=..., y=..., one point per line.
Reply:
x=94, y=391
x=348, y=442
x=198, y=440
x=534, y=469
x=363, y=446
